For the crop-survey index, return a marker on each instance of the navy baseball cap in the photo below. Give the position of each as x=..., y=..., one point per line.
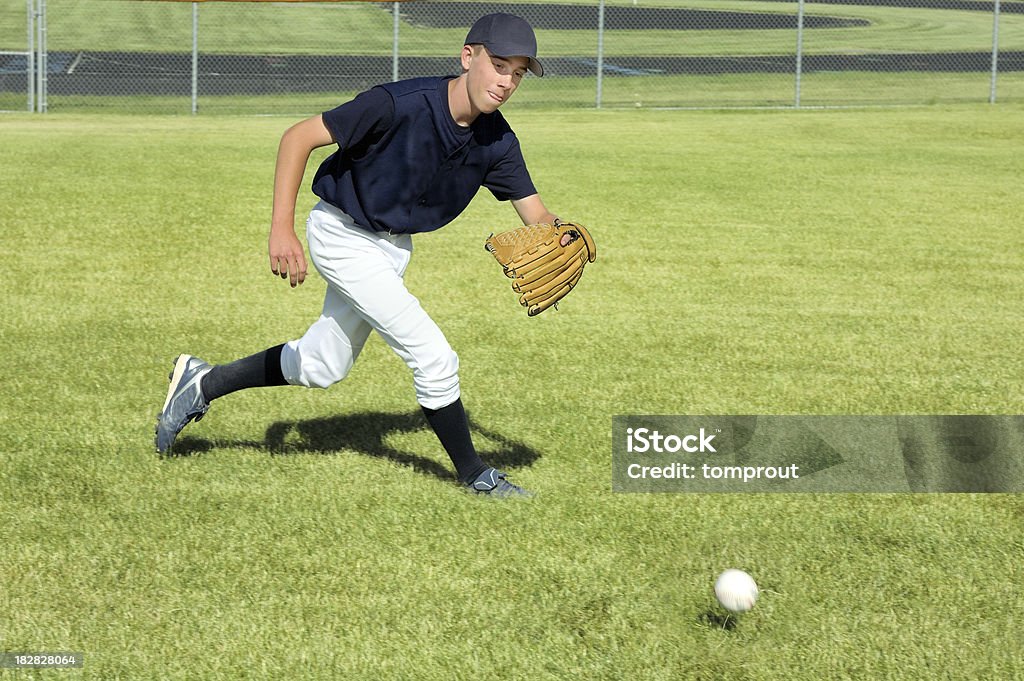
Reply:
x=506, y=35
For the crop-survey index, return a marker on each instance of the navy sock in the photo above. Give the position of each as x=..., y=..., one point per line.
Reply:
x=255, y=371
x=451, y=426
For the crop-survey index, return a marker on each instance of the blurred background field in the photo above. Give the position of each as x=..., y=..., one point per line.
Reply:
x=292, y=58
x=433, y=28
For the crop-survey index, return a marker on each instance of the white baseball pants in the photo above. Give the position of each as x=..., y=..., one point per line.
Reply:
x=365, y=291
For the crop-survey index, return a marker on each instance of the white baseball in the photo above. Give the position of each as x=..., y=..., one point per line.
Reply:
x=736, y=590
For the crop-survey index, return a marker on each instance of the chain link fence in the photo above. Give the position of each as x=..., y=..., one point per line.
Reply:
x=302, y=57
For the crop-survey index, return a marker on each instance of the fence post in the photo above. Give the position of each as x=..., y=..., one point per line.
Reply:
x=30, y=55
x=995, y=54
x=600, y=52
x=394, y=42
x=41, y=62
x=195, y=58
x=799, y=52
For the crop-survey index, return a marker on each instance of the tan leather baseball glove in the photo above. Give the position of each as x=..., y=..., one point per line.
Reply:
x=545, y=261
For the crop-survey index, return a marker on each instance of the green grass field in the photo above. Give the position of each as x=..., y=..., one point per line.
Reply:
x=366, y=28
x=787, y=262
x=825, y=89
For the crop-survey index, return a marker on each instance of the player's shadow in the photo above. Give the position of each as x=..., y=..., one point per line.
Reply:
x=369, y=434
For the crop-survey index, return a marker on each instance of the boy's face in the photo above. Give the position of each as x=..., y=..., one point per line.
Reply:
x=491, y=80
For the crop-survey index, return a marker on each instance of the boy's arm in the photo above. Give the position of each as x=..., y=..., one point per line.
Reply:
x=532, y=211
x=287, y=257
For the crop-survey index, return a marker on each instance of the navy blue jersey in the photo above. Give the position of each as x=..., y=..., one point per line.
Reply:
x=404, y=166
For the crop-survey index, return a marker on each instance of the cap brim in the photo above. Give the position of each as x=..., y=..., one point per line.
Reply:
x=507, y=51
x=536, y=68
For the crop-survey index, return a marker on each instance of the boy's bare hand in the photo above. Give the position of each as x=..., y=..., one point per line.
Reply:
x=287, y=258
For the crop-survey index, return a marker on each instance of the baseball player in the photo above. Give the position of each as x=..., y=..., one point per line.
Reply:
x=411, y=156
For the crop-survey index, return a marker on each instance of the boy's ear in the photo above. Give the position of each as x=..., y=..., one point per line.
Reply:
x=468, y=51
